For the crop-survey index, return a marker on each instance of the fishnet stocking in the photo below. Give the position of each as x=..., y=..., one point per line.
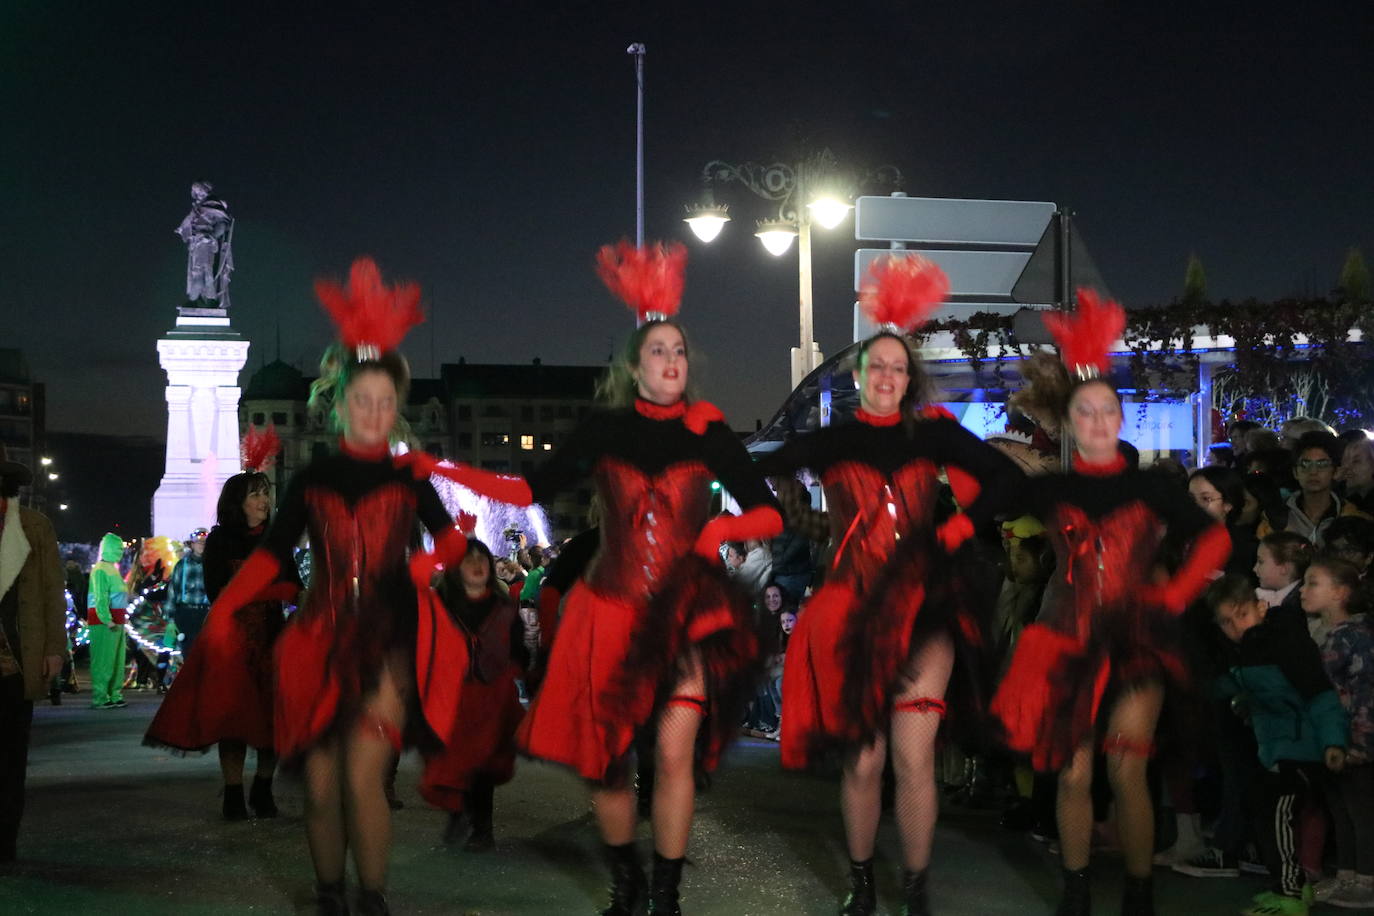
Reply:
x=345, y=800
x=674, y=791
x=912, y=738
x=1130, y=734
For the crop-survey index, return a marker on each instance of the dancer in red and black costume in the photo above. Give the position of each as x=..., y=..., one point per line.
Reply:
x=224, y=693
x=1090, y=674
x=358, y=652
x=652, y=634
x=480, y=752
x=870, y=659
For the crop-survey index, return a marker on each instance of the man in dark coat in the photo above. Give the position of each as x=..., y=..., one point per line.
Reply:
x=33, y=640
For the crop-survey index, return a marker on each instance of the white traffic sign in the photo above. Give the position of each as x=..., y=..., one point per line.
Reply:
x=951, y=221
x=985, y=274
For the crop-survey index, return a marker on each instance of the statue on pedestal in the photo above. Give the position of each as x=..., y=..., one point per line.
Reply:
x=208, y=231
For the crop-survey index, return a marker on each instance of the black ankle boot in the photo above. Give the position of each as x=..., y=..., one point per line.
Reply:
x=481, y=799
x=1077, y=899
x=1138, y=897
x=627, y=881
x=372, y=903
x=663, y=889
x=455, y=828
x=260, y=798
x=914, y=899
x=330, y=899
x=863, y=896
x=234, y=808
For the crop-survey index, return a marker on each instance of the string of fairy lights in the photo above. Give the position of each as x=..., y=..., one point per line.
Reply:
x=82, y=636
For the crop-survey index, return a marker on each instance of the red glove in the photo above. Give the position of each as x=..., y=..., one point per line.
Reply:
x=965, y=486
x=258, y=572
x=1208, y=554
x=467, y=523
x=501, y=487
x=700, y=415
x=449, y=547
x=957, y=529
x=758, y=522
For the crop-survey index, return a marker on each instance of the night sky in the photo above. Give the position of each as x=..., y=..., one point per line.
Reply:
x=487, y=154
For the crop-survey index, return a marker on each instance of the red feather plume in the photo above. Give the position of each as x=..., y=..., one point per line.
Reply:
x=648, y=279
x=367, y=311
x=1085, y=335
x=902, y=291
x=259, y=449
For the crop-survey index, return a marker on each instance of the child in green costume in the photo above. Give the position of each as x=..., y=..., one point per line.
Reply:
x=106, y=606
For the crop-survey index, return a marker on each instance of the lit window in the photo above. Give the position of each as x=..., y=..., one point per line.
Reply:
x=527, y=443
x=548, y=446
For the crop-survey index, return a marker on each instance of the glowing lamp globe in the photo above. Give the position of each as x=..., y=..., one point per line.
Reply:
x=706, y=222
x=828, y=211
x=776, y=237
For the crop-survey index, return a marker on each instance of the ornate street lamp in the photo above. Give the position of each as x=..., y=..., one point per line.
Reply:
x=794, y=188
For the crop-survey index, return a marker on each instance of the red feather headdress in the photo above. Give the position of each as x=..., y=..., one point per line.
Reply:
x=649, y=279
x=1085, y=335
x=900, y=293
x=372, y=317
x=259, y=449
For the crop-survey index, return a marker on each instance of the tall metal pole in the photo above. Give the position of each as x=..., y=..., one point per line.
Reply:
x=802, y=367
x=637, y=49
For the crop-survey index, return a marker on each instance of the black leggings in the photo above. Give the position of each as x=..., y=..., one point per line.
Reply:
x=1350, y=796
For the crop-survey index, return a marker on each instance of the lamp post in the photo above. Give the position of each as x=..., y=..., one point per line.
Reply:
x=637, y=51
x=788, y=186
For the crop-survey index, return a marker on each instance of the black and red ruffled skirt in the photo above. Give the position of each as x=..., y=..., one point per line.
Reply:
x=1058, y=689
x=848, y=656
x=224, y=691
x=615, y=664
x=480, y=745
x=328, y=665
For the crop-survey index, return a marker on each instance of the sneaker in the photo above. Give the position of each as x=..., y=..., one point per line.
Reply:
x=117, y=704
x=1272, y=904
x=1355, y=895
x=1325, y=889
x=1211, y=863
x=1249, y=866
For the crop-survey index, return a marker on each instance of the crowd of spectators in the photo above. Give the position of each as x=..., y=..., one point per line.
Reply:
x=1229, y=776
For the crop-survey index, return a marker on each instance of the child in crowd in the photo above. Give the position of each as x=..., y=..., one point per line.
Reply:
x=1280, y=562
x=1331, y=589
x=480, y=752
x=1278, y=683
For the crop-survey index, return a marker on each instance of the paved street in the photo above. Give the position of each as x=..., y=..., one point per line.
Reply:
x=115, y=828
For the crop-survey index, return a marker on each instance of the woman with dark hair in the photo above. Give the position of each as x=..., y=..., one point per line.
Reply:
x=870, y=660
x=1089, y=675
x=480, y=754
x=1221, y=493
x=225, y=698
x=652, y=635
x=360, y=651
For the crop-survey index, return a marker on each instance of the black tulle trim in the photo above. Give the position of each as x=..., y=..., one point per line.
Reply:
x=884, y=631
x=699, y=593
x=1138, y=646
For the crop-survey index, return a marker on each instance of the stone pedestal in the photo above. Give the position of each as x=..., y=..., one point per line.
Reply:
x=202, y=357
